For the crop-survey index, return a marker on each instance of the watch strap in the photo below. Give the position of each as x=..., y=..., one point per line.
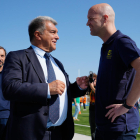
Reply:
x=127, y=106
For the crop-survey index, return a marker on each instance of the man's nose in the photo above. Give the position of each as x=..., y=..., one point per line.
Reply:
x=87, y=23
x=57, y=37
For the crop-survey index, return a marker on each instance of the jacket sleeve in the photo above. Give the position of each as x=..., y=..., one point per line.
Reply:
x=76, y=91
x=13, y=86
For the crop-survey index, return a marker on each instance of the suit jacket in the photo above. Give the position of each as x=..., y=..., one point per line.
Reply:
x=24, y=85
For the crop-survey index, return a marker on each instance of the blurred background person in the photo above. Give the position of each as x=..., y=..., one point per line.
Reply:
x=84, y=102
x=4, y=104
x=77, y=108
x=92, y=107
x=81, y=101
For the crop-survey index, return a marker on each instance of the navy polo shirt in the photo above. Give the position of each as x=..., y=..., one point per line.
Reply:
x=114, y=82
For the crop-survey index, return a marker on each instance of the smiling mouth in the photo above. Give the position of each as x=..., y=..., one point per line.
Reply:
x=54, y=42
x=90, y=27
x=1, y=64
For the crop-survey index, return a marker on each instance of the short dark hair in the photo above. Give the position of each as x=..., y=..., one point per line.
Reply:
x=94, y=75
x=38, y=24
x=3, y=49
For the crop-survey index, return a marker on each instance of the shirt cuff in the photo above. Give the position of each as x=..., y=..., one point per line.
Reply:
x=81, y=88
x=48, y=96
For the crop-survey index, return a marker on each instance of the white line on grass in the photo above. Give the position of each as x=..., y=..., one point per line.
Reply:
x=82, y=125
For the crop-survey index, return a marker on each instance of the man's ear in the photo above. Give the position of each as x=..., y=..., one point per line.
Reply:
x=37, y=35
x=105, y=17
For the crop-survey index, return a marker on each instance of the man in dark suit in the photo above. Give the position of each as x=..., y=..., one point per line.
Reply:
x=26, y=84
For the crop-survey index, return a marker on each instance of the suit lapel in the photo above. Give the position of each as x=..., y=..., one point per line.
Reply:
x=62, y=69
x=37, y=67
x=35, y=63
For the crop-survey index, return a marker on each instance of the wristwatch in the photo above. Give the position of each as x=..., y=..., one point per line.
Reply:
x=127, y=106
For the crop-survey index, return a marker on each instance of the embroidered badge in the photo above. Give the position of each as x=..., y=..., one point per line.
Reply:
x=109, y=54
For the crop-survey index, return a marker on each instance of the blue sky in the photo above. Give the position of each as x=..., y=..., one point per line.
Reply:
x=76, y=48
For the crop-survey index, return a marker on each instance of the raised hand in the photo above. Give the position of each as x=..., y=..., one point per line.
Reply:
x=56, y=87
x=82, y=82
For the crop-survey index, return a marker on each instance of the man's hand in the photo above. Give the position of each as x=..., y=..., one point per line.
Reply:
x=115, y=111
x=56, y=87
x=82, y=82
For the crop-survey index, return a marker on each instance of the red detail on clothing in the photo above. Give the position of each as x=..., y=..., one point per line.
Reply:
x=92, y=97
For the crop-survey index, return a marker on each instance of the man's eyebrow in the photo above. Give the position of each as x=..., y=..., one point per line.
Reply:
x=54, y=30
x=90, y=17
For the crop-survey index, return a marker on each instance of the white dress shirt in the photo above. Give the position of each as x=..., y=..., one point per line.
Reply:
x=59, y=76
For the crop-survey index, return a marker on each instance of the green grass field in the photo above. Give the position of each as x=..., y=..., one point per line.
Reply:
x=84, y=120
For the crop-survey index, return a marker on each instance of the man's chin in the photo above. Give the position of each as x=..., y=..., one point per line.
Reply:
x=53, y=49
x=93, y=34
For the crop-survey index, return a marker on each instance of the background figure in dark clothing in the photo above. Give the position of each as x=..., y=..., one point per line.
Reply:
x=92, y=107
x=84, y=102
x=4, y=104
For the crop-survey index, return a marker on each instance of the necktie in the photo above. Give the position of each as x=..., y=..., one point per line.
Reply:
x=54, y=101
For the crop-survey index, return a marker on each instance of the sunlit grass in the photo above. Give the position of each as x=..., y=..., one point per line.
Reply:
x=84, y=120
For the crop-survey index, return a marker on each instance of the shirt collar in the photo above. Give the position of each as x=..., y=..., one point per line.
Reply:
x=38, y=51
x=112, y=37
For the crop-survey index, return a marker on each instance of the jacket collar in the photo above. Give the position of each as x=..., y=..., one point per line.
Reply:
x=35, y=63
x=37, y=67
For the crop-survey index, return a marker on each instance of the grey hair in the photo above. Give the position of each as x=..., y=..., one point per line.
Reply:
x=38, y=24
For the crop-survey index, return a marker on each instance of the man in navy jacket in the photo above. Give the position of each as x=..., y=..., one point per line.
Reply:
x=25, y=84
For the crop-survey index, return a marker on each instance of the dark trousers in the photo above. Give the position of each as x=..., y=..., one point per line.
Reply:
x=84, y=105
x=56, y=134
x=116, y=135
x=3, y=126
x=92, y=123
